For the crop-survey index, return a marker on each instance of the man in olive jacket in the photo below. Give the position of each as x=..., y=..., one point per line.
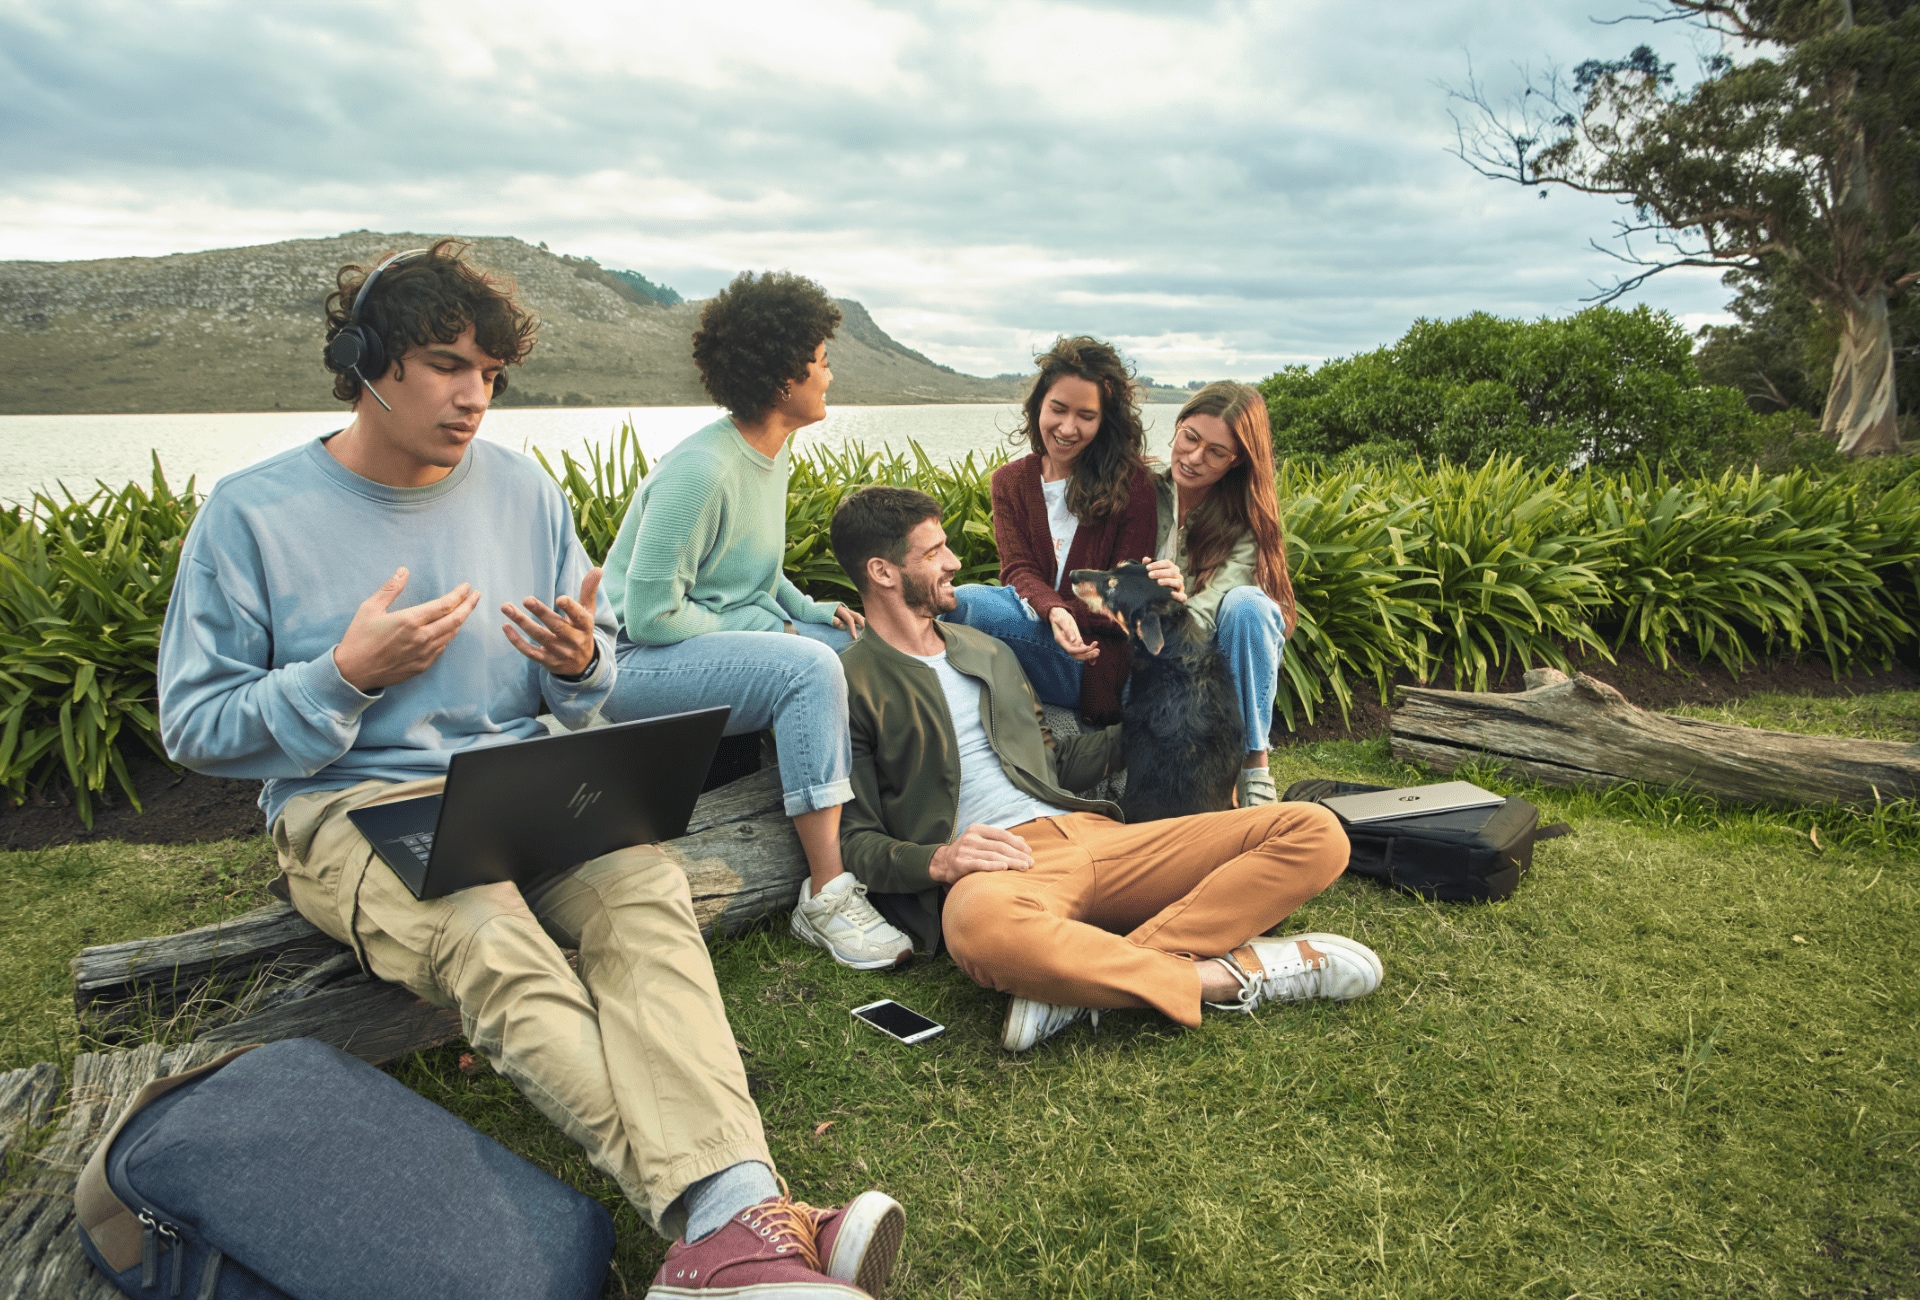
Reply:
x=965, y=825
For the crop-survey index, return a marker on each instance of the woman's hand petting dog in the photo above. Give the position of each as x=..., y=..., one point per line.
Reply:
x=1167, y=574
x=1066, y=633
x=982, y=848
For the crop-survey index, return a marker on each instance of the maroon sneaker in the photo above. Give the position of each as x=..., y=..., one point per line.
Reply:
x=859, y=1241
x=767, y=1252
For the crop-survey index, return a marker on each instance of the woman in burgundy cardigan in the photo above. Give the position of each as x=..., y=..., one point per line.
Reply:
x=1081, y=500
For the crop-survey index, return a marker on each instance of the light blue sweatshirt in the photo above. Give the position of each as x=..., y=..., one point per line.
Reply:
x=278, y=560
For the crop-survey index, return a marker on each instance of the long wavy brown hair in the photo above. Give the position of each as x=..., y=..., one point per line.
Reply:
x=1243, y=501
x=1099, y=485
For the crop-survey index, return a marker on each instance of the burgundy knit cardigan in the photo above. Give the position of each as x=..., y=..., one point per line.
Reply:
x=1026, y=565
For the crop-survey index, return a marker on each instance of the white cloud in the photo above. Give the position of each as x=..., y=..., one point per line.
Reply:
x=1223, y=186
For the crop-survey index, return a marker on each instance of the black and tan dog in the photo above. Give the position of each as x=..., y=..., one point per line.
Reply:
x=1179, y=728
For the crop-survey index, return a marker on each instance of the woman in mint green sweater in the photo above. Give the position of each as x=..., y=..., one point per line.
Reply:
x=706, y=615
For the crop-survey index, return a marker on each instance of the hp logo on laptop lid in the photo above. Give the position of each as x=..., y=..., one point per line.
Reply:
x=582, y=800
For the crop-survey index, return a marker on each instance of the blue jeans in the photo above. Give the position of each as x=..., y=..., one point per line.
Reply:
x=1249, y=629
x=999, y=612
x=790, y=683
x=1252, y=635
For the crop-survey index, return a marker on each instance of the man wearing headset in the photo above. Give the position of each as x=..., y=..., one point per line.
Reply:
x=291, y=654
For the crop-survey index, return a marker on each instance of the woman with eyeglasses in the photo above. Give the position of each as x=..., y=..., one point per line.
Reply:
x=1220, y=544
x=1081, y=500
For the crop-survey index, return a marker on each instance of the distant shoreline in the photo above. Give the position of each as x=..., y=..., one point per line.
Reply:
x=116, y=448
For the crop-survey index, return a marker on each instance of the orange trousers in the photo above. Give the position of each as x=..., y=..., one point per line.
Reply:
x=1112, y=915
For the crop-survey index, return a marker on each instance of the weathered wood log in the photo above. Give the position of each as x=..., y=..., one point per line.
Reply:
x=171, y=971
x=39, y=1250
x=376, y=1021
x=269, y=974
x=1582, y=732
x=25, y=1097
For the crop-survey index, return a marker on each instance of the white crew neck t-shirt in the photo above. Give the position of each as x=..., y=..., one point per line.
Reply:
x=987, y=797
x=1061, y=522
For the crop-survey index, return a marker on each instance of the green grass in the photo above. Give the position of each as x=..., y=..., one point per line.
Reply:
x=1891, y=715
x=1680, y=1061
x=54, y=902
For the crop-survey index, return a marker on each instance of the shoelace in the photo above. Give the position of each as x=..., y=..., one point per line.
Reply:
x=1253, y=988
x=852, y=905
x=792, y=1221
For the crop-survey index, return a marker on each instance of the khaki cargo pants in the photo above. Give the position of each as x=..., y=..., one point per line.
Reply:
x=632, y=1058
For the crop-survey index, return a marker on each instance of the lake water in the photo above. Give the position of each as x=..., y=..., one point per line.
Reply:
x=38, y=451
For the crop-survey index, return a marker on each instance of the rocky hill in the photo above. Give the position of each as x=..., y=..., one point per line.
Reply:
x=240, y=329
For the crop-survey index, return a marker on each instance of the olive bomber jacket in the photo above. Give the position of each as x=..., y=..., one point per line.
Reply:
x=906, y=764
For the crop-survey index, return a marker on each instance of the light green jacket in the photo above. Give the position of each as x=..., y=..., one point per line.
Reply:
x=1237, y=570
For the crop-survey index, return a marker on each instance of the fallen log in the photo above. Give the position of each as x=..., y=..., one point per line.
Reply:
x=269, y=974
x=25, y=1097
x=1582, y=732
x=39, y=1250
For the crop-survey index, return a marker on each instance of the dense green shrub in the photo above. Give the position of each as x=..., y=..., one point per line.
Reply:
x=1443, y=571
x=1741, y=562
x=1603, y=387
x=83, y=587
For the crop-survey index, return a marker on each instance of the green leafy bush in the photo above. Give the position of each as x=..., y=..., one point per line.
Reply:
x=1358, y=595
x=83, y=587
x=600, y=489
x=1514, y=569
x=1603, y=387
x=1743, y=561
x=1447, y=570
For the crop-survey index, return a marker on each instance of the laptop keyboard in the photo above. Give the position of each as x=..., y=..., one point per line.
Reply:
x=420, y=845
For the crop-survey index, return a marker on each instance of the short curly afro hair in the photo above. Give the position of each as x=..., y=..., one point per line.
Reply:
x=757, y=336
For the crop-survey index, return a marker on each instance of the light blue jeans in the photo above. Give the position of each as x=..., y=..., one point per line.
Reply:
x=790, y=683
x=999, y=612
x=1252, y=635
x=1250, y=630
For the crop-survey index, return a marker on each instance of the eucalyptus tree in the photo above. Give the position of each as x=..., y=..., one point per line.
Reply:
x=1795, y=159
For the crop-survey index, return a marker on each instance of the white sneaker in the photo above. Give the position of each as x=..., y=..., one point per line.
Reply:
x=841, y=920
x=1299, y=967
x=1030, y=1022
x=1254, y=786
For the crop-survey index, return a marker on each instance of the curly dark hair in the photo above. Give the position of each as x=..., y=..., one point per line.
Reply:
x=431, y=299
x=1099, y=486
x=757, y=336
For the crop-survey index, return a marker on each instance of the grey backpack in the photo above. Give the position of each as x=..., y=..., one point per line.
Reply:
x=295, y=1170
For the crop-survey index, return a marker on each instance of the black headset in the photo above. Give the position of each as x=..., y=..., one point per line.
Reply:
x=356, y=345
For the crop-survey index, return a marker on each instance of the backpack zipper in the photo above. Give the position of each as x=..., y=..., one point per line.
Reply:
x=153, y=1232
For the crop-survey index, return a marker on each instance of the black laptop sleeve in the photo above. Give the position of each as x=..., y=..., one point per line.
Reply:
x=1469, y=855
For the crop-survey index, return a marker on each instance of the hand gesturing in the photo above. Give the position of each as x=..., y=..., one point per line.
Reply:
x=384, y=646
x=561, y=641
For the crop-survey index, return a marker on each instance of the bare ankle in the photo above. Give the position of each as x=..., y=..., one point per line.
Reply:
x=1217, y=984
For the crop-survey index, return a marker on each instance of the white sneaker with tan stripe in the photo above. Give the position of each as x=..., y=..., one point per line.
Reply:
x=1299, y=967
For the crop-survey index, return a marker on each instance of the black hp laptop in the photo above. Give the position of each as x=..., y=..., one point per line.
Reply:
x=523, y=811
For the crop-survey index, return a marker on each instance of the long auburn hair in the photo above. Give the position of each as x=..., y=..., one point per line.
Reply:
x=1101, y=480
x=1243, y=501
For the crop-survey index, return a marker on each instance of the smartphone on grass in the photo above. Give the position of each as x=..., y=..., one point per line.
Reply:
x=896, y=1021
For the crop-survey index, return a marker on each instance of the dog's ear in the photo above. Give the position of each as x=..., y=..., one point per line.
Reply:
x=1092, y=586
x=1150, y=635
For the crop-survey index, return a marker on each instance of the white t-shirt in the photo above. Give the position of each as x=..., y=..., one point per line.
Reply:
x=1061, y=522
x=987, y=797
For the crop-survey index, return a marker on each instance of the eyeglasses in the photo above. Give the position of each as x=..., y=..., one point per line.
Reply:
x=1215, y=455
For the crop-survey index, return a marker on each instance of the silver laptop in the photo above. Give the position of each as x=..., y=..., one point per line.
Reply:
x=1413, y=801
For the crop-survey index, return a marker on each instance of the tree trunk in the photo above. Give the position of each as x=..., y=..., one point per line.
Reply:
x=1860, y=407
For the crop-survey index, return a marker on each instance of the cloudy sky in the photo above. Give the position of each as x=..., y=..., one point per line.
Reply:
x=1221, y=188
